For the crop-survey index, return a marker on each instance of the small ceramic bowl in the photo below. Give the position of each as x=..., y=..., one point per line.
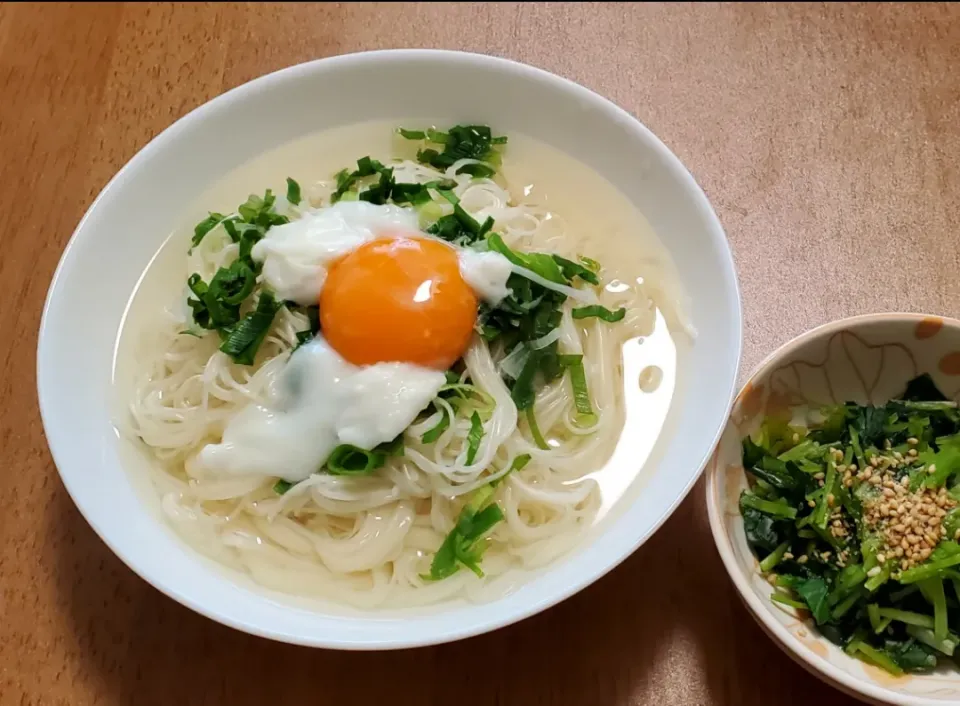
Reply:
x=862, y=359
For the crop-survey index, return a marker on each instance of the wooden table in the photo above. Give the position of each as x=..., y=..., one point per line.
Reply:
x=828, y=139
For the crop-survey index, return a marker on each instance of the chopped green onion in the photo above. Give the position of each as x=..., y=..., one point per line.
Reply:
x=349, y=460
x=538, y=263
x=282, y=486
x=293, y=191
x=473, y=438
x=412, y=134
x=243, y=339
x=464, y=544
x=600, y=312
x=205, y=226
x=572, y=269
x=590, y=263
x=586, y=417
x=535, y=430
x=431, y=435
x=477, y=170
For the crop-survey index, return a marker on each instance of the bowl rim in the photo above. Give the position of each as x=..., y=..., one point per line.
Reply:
x=824, y=670
x=58, y=446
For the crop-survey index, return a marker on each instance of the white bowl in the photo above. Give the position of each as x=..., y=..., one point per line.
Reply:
x=142, y=204
x=866, y=359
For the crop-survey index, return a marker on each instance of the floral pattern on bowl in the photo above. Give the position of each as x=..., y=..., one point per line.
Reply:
x=866, y=359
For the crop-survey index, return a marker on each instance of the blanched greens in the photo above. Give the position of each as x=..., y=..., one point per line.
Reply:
x=858, y=517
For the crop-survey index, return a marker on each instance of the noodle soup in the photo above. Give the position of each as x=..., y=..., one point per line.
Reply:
x=302, y=429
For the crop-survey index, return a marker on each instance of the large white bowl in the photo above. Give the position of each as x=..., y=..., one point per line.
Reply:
x=128, y=221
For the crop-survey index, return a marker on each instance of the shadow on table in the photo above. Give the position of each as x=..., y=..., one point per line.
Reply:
x=664, y=628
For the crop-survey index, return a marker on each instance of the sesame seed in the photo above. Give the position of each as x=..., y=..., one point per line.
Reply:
x=811, y=503
x=802, y=559
x=897, y=455
x=932, y=468
x=912, y=441
x=912, y=453
x=848, y=482
x=881, y=558
x=787, y=555
x=830, y=499
x=818, y=475
x=874, y=571
x=888, y=493
x=796, y=437
x=874, y=462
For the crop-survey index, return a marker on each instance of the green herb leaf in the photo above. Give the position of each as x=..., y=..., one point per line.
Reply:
x=600, y=312
x=814, y=592
x=293, y=191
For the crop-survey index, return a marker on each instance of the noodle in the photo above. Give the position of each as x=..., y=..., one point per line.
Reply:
x=369, y=540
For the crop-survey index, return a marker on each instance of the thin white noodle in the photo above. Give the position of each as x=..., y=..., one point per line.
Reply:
x=367, y=541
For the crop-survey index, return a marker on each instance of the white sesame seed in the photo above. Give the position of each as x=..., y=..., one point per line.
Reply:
x=874, y=571
x=881, y=558
x=912, y=453
x=913, y=441
x=802, y=559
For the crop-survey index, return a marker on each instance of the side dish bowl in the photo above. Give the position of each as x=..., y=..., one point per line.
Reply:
x=867, y=360
x=137, y=210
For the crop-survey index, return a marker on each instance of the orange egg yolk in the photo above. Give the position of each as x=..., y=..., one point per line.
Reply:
x=399, y=299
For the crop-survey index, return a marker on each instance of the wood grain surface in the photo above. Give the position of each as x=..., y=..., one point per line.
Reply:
x=827, y=137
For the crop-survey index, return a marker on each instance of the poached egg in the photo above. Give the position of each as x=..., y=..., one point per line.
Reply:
x=397, y=309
